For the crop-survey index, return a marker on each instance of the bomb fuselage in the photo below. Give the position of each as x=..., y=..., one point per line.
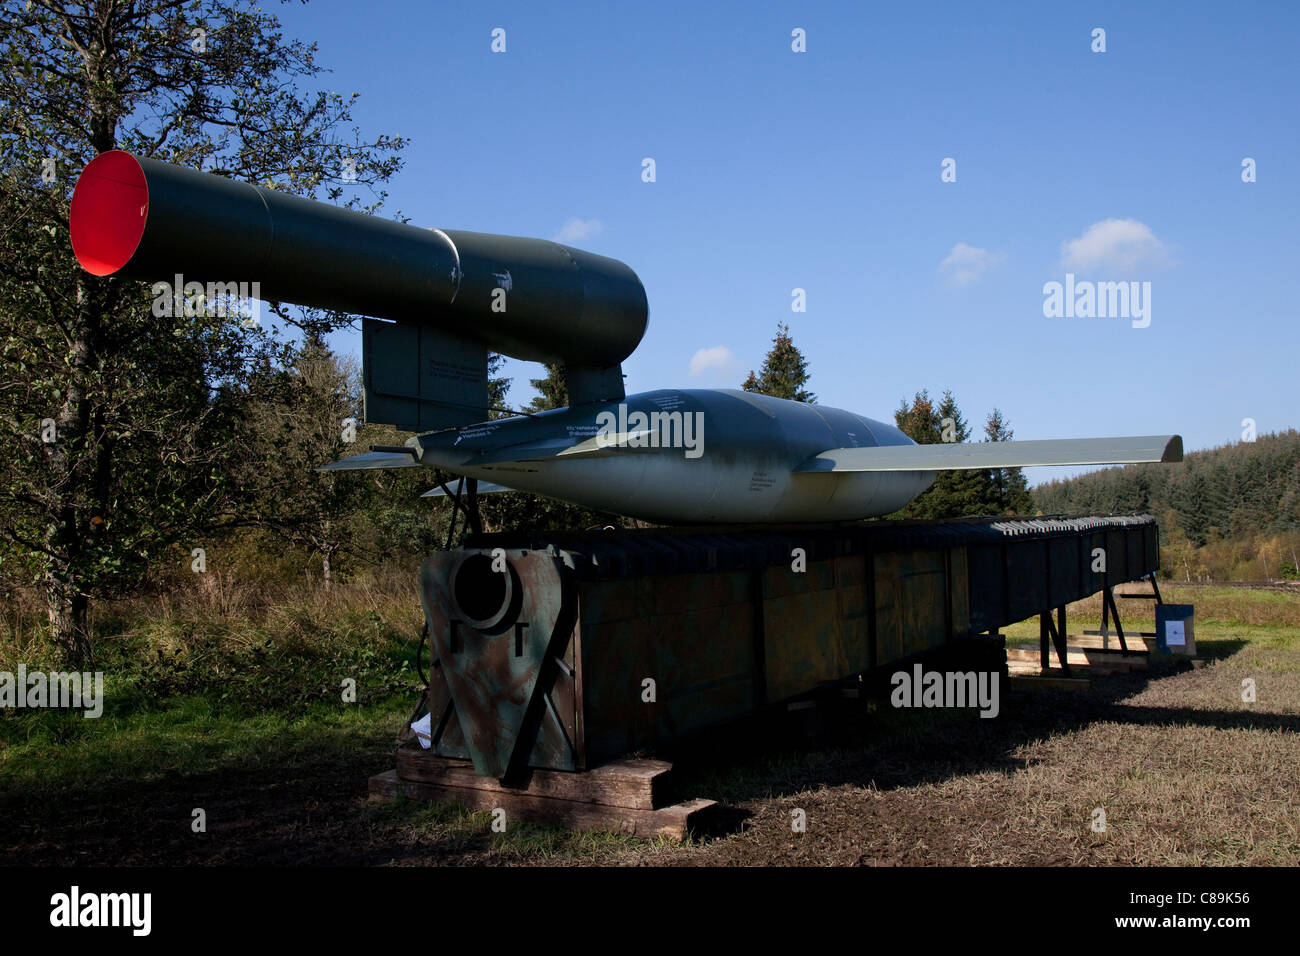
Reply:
x=691, y=455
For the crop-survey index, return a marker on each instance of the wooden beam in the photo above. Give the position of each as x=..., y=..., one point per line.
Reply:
x=1095, y=661
x=631, y=783
x=1093, y=639
x=1050, y=682
x=674, y=822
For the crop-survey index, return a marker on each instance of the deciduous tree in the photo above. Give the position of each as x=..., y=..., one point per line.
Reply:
x=119, y=424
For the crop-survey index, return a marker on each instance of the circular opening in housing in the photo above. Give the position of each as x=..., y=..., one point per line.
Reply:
x=109, y=209
x=482, y=594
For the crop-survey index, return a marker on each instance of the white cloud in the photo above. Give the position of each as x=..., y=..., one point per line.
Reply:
x=967, y=263
x=719, y=358
x=575, y=230
x=1122, y=244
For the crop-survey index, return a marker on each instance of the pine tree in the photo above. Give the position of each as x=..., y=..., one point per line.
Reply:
x=498, y=387
x=919, y=421
x=553, y=392
x=1009, y=487
x=784, y=372
x=954, y=494
x=967, y=493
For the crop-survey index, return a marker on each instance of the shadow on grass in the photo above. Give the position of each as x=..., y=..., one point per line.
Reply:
x=867, y=743
x=209, y=788
x=1219, y=649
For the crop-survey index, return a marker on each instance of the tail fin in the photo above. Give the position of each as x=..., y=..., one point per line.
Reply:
x=420, y=378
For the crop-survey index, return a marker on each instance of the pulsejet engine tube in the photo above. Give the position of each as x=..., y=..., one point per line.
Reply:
x=529, y=298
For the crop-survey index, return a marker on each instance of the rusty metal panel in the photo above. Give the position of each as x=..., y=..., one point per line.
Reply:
x=616, y=657
x=851, y=582
x=889, y=608
x=803, y=640
x=706, y=671
x=924, y=593
x=630, y=598
x=446, y=739
x=911, y=594
x=624, y=599
x=700, y=658
x=558, y=737
x=500, y=639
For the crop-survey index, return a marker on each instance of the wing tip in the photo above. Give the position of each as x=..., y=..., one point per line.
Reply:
x=1173, y=449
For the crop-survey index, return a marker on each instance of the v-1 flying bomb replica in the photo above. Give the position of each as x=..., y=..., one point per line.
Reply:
x=439, y=300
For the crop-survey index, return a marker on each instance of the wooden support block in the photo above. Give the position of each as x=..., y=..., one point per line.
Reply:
x=1097, y=661
x=1119, y=661
x=1094, y=639
x=633, y=783
x=1049, y=682
x=673, y=822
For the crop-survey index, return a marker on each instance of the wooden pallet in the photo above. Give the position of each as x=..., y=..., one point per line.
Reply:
x=626, y=796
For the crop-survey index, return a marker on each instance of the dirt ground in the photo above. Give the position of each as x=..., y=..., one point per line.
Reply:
x=1184, y=771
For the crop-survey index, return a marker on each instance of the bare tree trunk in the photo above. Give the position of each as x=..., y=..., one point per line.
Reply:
x=66, y=609
x=65, y=534
x=325, y=553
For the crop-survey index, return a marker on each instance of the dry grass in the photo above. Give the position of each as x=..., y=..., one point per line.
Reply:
x=218, y=611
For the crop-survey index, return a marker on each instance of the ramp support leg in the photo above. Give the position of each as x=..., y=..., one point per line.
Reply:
x=1108, y=601
x=1055, y=630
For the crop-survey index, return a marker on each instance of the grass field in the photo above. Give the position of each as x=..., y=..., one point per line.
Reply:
x=230, y=704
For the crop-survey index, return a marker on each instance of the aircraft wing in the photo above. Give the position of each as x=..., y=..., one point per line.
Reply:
x=373, y=459
x=959, y=456
x=484, y=488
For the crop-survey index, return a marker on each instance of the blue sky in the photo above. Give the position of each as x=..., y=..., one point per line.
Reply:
x=820, y=170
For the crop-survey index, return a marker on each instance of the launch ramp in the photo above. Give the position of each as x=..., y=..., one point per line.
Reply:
x=562, y=652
